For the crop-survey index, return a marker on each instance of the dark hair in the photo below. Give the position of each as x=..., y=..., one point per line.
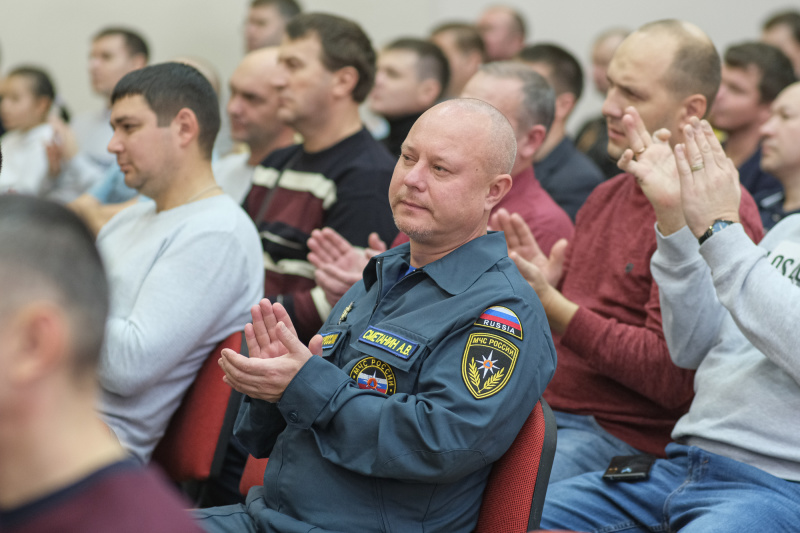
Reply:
x=344, y=44
x=567, y=75
x=776, y=69
x=788, y=18
x=169, y=87
x=134, y=43
x=696, y=67
x=41, y=86
x=47, y=251
x=287, y=8
x=467, y=37
x=431, y=61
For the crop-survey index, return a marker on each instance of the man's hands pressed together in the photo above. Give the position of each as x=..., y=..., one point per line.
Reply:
x=276, y=354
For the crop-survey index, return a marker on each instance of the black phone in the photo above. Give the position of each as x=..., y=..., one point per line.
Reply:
x=629, y=468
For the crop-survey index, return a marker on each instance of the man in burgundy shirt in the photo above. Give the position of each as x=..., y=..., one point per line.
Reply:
x=61, y=469
x=616, y=391
x=527, y=101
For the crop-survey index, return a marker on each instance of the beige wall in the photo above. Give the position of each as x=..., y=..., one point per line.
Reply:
x=56, y=33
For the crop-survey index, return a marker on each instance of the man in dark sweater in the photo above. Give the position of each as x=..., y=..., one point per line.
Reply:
x=412, y=75
x=338, y=177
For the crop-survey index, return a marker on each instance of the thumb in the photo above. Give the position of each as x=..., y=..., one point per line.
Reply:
x=289, y=339
x=316, y=345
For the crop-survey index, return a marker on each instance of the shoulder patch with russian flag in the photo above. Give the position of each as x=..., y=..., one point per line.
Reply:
x=502, y=319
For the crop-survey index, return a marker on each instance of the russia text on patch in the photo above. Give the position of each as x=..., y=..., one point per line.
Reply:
x=502, y=319
x=391, y=342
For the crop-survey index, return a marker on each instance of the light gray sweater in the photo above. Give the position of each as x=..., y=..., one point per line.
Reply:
x=730, y=311
x=181, y=281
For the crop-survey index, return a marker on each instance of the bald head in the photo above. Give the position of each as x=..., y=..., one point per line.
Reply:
x=453, y=169
x=253, y=105
x=501, y=142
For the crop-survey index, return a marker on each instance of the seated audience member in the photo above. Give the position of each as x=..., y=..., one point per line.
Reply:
x=60, y=468
x=502, y=29
x=527, y=101
x=78, y=156
x=463, y=47
x=266, y=22
x=780, y=155
x=752, y=76
x=616, y=390
x=592, y=138
x=568, y=175
x=111, y=195
x=26, y=96
x=253, y=115
x=414, y=395
x=338, y=177
x=411, y=76
x=730, y=311
x=191, y=248
x=782, y=30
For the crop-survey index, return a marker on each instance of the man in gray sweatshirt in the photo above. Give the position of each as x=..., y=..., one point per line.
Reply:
x=729, y=310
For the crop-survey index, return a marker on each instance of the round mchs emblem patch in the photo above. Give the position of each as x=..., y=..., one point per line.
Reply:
x=372, y=373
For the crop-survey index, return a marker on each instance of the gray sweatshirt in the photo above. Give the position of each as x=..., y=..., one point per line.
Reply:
x=730, y=312
x=181, y=281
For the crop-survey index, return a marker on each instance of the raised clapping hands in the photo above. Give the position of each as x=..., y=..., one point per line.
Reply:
x=338, y=263
x=651, y=161
x=541, y=272
x=276, y=354
x=709, y=180
x=694, y=184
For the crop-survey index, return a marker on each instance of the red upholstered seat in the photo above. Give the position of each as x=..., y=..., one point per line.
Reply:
x=514, y=495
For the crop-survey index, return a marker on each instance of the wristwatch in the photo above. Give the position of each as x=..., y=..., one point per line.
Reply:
x=716, y=227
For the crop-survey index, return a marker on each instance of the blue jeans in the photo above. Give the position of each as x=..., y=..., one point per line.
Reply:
x=584, y=446
x=691, y=491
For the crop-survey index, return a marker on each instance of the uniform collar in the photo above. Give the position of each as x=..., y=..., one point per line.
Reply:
x=453, y=273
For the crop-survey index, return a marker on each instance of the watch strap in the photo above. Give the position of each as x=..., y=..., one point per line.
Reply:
x=716, y=227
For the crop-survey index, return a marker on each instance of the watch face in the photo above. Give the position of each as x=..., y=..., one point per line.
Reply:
x=719, y=225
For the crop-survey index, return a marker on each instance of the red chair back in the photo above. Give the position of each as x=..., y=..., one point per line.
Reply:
x=197, y=437
x=514, y=495
x=253, y=474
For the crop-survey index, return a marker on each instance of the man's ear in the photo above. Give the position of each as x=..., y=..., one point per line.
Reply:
x=498, y=188
x=39, y=341
x=138, y=61
x=185, y=126
x=427, y=92
x=565, y=103
x=694, y=105
x=344, y=81
x=529, y=145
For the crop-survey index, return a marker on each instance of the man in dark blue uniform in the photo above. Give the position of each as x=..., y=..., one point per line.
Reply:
x=425, y=370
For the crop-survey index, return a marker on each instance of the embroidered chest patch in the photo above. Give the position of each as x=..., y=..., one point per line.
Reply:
x=502, y=319
x=390, y=342
x=329, y=340
x=487, y=364
x=372, y=373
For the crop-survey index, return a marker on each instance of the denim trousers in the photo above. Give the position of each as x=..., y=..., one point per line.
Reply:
x=690, y=491
x=584, y=446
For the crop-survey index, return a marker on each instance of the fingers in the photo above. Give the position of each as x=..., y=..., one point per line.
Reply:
x=558, y=255
x=525, y=236
x=290, y=340
x=260, y=333
x=635, y=130
x=715, y=146
x=282, y=317
x=626, y=162
x=684, y=169
x=375, y=243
